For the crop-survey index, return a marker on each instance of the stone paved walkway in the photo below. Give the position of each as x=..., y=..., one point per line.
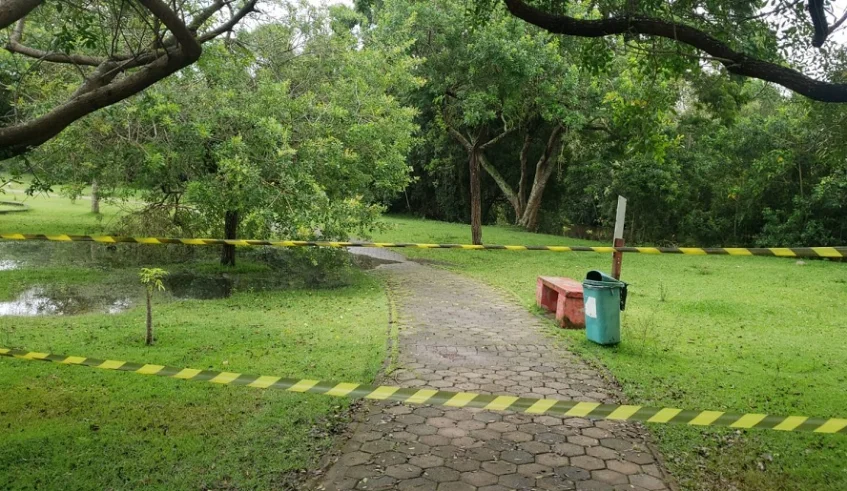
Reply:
x=458, y=334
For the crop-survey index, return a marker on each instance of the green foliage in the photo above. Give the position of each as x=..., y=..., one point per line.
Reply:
x=152, y=278
x=703, y=158
x=300, y=142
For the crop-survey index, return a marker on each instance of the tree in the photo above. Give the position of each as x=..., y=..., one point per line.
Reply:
x=259, y=138
x=116, y=48
x=516, y=99
x=488, y=84
x=151, y=278
x=743, y=37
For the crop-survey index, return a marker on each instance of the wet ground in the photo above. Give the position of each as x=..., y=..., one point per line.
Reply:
x=42, y=301
x=83, y=299
x=119, y=289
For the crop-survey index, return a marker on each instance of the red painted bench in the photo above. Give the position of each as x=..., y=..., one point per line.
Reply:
x=564, y=297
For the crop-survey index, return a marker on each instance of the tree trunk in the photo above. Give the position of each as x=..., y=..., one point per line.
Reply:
x=543, y=170
x=527, y=144
x=230, y=232
x=476, y=159
x=149, y=320
x=502, y=184
x=529, y=220
x=95, y=197
x=476, y=201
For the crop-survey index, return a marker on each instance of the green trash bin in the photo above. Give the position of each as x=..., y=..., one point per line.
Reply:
x=604, y=298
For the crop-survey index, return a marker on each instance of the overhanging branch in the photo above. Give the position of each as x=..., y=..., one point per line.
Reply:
x=734, y=61
x=835, y=25
x=119, y=76
x=231, y=23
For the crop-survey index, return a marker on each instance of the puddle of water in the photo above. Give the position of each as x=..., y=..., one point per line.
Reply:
x=119, y=306
x=41, y=300
x=120, y=290
x=38, y=301
x=37, y=254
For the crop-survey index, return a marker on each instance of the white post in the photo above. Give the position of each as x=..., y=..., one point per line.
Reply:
x=617, y=257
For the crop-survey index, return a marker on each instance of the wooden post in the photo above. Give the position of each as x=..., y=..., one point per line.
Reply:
x=617, y=257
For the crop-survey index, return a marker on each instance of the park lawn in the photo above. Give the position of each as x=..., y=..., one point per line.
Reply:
x=53, y=214
x=741, y=334
x=67, y=427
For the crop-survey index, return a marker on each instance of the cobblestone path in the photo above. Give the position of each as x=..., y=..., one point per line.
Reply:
x=458, y=334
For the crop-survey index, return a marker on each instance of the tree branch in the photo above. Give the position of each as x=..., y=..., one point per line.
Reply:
x=524, y=156
x=201, y=17
x=12, y=11
x=735, y=62
x=496, y=139
x=227, y=26
x=501, y=182
x=14, y=45
x=549, y=149
x=103, y=87
x=835, y=25
x=17, y=139
x=460, y=138
x=190, y=47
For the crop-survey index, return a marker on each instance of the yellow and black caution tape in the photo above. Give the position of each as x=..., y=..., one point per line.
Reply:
x=461, y=399
x=832, y=252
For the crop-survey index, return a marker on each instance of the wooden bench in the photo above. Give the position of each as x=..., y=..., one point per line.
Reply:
x=564, y=297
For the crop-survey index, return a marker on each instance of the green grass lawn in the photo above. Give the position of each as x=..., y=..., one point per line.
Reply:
x=745, y=334
x=729, y=333
x=54, y=214
x=65, y=427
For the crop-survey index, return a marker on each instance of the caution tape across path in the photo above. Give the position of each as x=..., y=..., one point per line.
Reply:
x=831, y=252
x=460, y=399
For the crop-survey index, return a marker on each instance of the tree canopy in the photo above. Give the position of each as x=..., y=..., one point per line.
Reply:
x=704, y=156
x=306, y=123
x=256, y=138
x=753, y=39
x=65, y=60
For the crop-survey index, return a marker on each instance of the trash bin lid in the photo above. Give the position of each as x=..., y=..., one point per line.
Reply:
x=600, y=276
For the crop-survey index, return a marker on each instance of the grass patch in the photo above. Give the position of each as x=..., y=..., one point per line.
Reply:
x=52, y=214
x=79, y=428
x=745, y=334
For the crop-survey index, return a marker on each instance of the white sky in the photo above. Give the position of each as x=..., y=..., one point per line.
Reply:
x=348, y=3
x=838, y=7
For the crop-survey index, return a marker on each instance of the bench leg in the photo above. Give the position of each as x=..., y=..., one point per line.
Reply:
x=561, y=313
x=546, y=297
x=539, y=293
x=570, y=313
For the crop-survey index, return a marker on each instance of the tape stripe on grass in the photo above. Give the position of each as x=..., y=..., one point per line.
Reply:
x=458, y=399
